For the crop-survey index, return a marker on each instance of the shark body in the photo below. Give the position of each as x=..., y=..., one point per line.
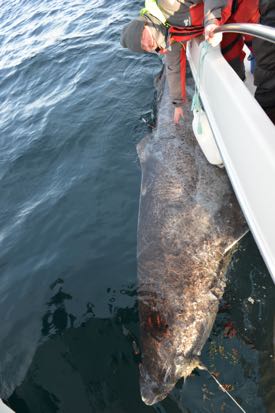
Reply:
x=189, y=219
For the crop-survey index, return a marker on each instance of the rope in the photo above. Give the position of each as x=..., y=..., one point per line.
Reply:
x=203, y=367
x=196, y=104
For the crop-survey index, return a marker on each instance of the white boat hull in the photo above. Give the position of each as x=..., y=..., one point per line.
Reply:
x=4, y=408
x=245, y=137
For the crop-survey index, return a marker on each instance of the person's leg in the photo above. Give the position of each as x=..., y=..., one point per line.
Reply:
x=231, y=48
x=264, y=52
x=270, y=113
x=264, y=76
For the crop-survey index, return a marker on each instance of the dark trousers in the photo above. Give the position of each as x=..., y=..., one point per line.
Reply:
x=264, y=52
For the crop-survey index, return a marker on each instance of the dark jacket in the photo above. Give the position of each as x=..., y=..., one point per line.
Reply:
x=177, y=13
x=180, y=13
x=264, y=75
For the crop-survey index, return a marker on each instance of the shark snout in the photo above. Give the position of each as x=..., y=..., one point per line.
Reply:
x=156, y=387
x=151, y=393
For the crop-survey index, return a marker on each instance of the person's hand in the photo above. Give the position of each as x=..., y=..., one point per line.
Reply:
x=213, y=38
x=178, y=114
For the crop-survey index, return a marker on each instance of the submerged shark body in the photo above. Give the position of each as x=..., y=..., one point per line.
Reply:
x=189, y=219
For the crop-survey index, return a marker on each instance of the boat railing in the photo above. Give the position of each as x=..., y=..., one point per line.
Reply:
x=257, y=30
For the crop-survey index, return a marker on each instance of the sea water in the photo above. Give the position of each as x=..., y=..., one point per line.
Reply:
x=73, y=104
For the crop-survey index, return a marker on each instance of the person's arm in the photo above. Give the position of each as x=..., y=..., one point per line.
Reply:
x=173, y=73
x=212, y=17
x=213, y=11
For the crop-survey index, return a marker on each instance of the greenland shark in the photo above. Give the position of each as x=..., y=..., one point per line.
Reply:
x=189, y=220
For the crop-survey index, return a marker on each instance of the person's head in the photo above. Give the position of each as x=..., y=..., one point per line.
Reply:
x=143, y=35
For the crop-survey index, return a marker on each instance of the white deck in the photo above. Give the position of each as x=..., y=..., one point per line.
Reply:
x=246, y=140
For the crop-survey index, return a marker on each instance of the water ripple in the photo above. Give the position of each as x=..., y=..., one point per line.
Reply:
x=71, y=100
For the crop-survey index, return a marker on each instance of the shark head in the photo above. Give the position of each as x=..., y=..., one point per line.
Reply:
x=170, y=347
x=158, y=381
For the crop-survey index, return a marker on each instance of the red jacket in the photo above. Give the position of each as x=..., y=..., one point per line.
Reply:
x=241, y=11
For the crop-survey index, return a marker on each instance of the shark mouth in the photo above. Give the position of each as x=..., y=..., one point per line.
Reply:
x=153, y=391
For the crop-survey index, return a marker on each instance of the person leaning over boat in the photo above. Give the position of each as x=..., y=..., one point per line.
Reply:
x=264, y=52
x=166, y=29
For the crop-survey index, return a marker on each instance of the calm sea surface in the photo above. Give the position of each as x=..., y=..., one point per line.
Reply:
x=72, y=103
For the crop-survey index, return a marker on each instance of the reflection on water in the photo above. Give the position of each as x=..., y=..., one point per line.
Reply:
x=56, y=318
x=94, y=367
x=81, y=369
x=69, y=203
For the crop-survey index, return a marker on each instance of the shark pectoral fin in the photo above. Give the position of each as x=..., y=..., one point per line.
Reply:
x=233, y=244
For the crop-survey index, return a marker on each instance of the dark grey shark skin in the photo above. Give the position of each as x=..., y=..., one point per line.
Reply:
x=188, y=221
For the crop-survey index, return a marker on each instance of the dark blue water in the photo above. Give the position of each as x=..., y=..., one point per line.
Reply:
x=71, y=107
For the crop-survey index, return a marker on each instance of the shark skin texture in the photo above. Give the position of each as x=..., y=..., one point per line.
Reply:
x=189, y=220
